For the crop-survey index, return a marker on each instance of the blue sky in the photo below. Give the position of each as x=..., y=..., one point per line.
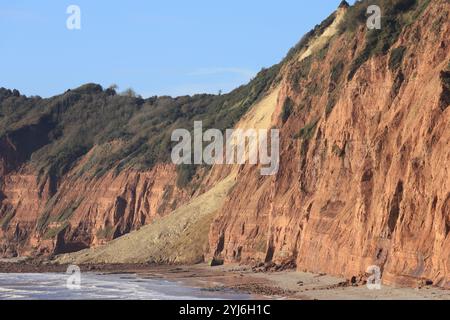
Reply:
x=171, y=47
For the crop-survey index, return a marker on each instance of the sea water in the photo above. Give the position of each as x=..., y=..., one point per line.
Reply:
x=95, y=286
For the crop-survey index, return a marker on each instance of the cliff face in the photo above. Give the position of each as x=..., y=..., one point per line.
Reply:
x=88, y=166
x=365, y=159
x=363, y=179
x=85, y=211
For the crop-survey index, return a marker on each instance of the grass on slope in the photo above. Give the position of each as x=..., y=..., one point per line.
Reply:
x=53, y=134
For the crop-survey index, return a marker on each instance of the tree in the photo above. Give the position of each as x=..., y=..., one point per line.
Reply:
x=129, y=93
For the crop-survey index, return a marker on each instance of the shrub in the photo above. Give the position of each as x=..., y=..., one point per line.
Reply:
x=336, y=72
x=51, y=233
x=334, y=86
x=399, y=79
x=394, y=18
x=301, y=70
x=332, y=100
x=356, y=14
x=300, y=45
x=322, y=53
x=444, y=99
x=307, y=132
x=377, y=42
x=105, y=233
x=402, y=5
x=185, y=173
x=287, y=110
x=338, y=151
x=6, y=219
x=396, y=58
x=68, y=212
x=421, y=6
x=88, y=88
x=354, y=17
x=313, y=88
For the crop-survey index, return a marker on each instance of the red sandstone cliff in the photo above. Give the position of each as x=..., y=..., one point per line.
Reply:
x=366, y=183
x=85, y=211
x=363, y=179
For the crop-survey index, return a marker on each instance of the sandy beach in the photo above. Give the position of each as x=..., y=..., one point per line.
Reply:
x=290, y=284
x=287, y=284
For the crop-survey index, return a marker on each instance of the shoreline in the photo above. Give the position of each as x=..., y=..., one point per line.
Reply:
x=287, y=284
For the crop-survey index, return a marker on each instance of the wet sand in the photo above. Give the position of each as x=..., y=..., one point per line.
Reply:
x=285, y=284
